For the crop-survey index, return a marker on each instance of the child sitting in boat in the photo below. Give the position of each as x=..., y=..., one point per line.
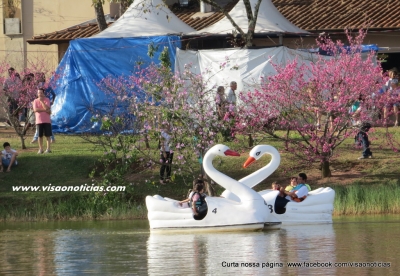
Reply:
x=277, y=187
x=199, y=205
x=293, y=183
x=186, y=202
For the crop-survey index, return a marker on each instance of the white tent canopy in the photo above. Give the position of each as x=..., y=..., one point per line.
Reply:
x=245, y=66
x=269, y=20
x=146, y=18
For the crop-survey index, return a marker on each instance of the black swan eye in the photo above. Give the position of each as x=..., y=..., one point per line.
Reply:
x=258, y=153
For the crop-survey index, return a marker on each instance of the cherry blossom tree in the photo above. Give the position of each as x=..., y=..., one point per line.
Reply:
x=19, y=90
x=144, y=103
x=308, y=106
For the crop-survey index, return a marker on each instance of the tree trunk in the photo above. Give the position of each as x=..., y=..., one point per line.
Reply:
x=325, y=169
x=251, y=140
x=101, y=20
x=250, y=33
x=22, y=141
x=146, y=141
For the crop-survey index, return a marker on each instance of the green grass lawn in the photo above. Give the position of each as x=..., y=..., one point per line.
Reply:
x=69, y=164
x=73, y=158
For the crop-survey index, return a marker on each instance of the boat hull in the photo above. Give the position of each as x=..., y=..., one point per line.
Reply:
x=222, y=215
x=315, y=209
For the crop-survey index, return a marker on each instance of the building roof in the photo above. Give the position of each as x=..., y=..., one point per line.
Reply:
x=309, y=15
x=198, y=21
x=188, y=15
x=312, y=15
x=79, y=31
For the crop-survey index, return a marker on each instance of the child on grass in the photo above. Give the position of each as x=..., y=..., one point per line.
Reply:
x=361, y=139
x=8, y=157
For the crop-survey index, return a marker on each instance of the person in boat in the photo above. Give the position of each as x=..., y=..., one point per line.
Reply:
x=302, y=180
x=300, y=192
x=186, y=202
x=198, y=202
x=293, y=183
x=277, y=187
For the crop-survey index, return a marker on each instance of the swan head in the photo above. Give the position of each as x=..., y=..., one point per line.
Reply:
x=223, y=150
x=256, y=154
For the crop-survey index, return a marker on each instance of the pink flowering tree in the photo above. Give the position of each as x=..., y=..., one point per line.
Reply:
x=19, y=89
x=149, y=99
x=312, y=107
x=185, y=103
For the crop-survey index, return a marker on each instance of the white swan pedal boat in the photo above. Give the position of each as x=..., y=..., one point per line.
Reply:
x=316, y=208
x=248, y=213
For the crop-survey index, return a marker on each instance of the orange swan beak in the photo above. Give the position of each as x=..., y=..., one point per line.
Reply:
x=249, y=161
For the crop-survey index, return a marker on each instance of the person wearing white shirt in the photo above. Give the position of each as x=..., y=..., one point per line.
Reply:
x=8, y=157
x=299, y=192
x=231, y=98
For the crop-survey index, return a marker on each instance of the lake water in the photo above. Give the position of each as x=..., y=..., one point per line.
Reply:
x=128, y=248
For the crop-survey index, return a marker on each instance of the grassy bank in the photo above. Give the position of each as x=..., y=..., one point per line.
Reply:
x=358, y=199
x=362, y=186
x=355, y=199
x=67, y=207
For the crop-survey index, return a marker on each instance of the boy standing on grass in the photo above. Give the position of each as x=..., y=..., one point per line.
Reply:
x=361, y=139
x=8, y=157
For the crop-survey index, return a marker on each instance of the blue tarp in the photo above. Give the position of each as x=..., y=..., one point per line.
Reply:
x=85, y=64
x=364, y=49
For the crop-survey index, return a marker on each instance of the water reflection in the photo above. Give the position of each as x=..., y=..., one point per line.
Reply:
x=128, y=248
x=103, y=248
x=246, y=253
x=23, y=253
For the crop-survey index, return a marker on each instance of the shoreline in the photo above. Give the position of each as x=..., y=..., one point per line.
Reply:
x=110, y=218
x=356, y=199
